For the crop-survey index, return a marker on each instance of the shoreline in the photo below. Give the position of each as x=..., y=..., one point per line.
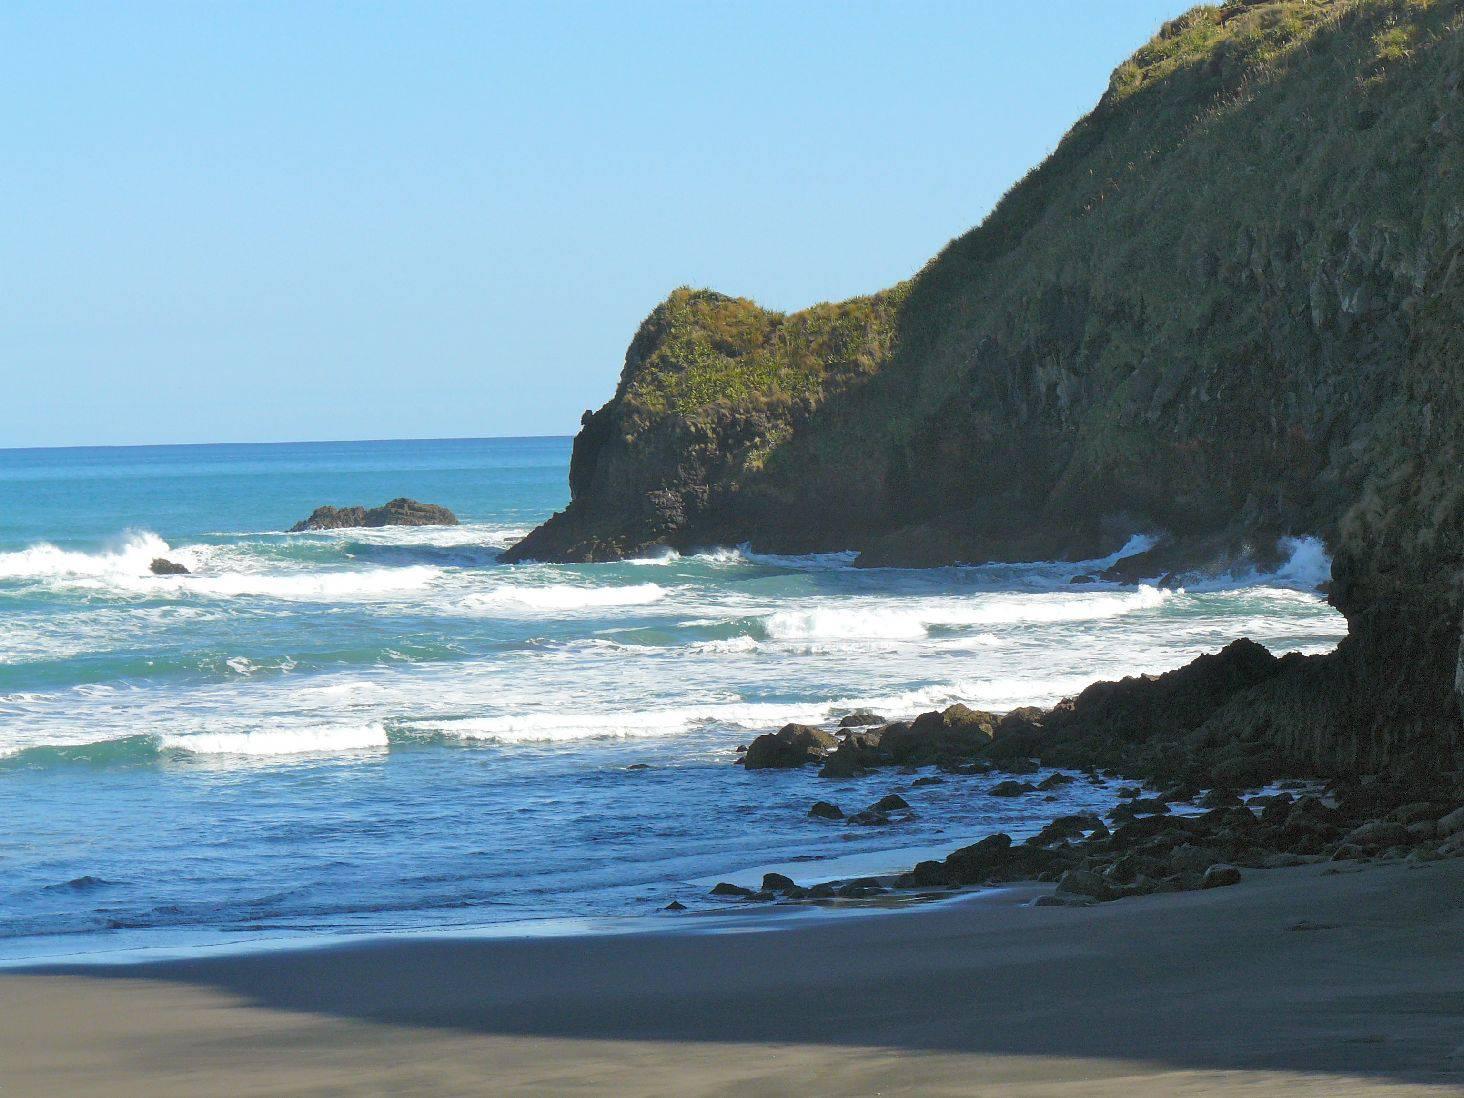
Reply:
x=1340, y=978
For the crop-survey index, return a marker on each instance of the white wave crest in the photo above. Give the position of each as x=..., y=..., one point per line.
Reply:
x=130, y=556
x=913, y=619
x=281, y=741
x=308, y=586
x=1309, y=565
x=564, y=598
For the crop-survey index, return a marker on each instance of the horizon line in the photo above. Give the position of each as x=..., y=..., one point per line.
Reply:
x=277, y=442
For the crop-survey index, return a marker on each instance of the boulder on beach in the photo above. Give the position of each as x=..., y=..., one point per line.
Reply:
x=161, y=566
x=398, y=512
x=790, y=746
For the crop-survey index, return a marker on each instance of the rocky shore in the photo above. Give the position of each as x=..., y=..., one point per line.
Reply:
x=1203, y=805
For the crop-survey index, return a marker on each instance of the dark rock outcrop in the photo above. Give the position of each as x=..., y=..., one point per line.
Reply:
x=161, y=566
x=397, y=512
x=790, y=746
x=1229, y=307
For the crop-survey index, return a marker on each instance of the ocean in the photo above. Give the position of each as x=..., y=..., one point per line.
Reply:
x=386, y=731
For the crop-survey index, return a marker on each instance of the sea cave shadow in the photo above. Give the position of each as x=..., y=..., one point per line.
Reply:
x=1202, y=981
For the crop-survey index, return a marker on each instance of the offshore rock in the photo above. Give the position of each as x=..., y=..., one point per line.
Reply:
x=161, y=566
x=397, y=512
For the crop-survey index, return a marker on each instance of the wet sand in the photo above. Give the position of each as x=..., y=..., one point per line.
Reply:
x=1297, y=981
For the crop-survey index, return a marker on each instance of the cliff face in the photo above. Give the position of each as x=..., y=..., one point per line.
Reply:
x=1229, y=307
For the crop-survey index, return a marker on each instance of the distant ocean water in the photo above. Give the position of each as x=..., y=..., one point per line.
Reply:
x=382, y=730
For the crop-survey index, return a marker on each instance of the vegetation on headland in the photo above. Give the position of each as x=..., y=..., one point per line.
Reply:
x=1228, y=307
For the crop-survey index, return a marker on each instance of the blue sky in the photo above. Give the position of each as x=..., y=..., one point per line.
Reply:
x=257, y=222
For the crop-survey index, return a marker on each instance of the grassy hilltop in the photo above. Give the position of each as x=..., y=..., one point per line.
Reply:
x=1228, y=307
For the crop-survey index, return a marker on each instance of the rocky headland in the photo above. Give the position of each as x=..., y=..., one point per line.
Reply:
x=1228, y=308
x=396, y=512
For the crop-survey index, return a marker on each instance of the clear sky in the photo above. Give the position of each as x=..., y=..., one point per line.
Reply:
x=282, y=221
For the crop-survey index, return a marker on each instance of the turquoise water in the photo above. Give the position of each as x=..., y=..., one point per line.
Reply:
x=378, y=730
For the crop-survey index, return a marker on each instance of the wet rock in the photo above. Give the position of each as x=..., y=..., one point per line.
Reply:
x=975, y=863
x=639, y=766
x=890, y=802
x=929, y=779
x=861, y=718
x=161, y=566
x=852, y=757
x=870, y=818
x=1218, y=876
x=674, y=905
x=792, y=745
x=821, y=891
x=861, y=888
x=777, y=882
x=957, y=732
x=1220, y=798
x=1011, y=788
x=928, y=874
x=725, y=888
x=1024, y=720
x=398, y=512
x=825, y=810
x=1066, y=827
x=1054, y=781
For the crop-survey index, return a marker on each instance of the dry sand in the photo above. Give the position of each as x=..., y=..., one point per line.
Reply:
x=1295, y=981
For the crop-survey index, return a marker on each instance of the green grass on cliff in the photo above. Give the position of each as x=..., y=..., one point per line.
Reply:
x=715, y=353
x=1165, y=127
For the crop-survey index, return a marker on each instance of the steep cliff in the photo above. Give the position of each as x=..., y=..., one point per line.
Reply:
x=1229, y=307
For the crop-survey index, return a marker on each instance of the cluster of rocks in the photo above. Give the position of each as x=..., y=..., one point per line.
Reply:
x=1168, y=729
x=954, y=738
x=397, y=512
x=1177, y=840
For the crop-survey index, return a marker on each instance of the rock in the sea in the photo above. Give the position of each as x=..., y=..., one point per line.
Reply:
x=674, y=905
x=861, y=718
x=790, y=746
x=824, y=810
x=777, y=882
x=890, y=802
x=957, y=732
x=161, y=566
x=1010, y=788
x=724, y=888
x=397, y=512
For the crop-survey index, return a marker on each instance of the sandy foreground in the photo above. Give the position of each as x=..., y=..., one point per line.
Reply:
x=1295, y=981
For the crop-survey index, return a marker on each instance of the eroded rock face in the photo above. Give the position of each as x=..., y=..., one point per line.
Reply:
x=1118, y=348
x=397, y=512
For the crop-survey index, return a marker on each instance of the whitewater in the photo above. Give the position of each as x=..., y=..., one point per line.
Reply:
x=375, y=730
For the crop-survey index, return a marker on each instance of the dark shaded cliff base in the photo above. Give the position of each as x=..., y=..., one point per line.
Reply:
x=1293, y=982
x=397, y=512
x=1228, y=308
